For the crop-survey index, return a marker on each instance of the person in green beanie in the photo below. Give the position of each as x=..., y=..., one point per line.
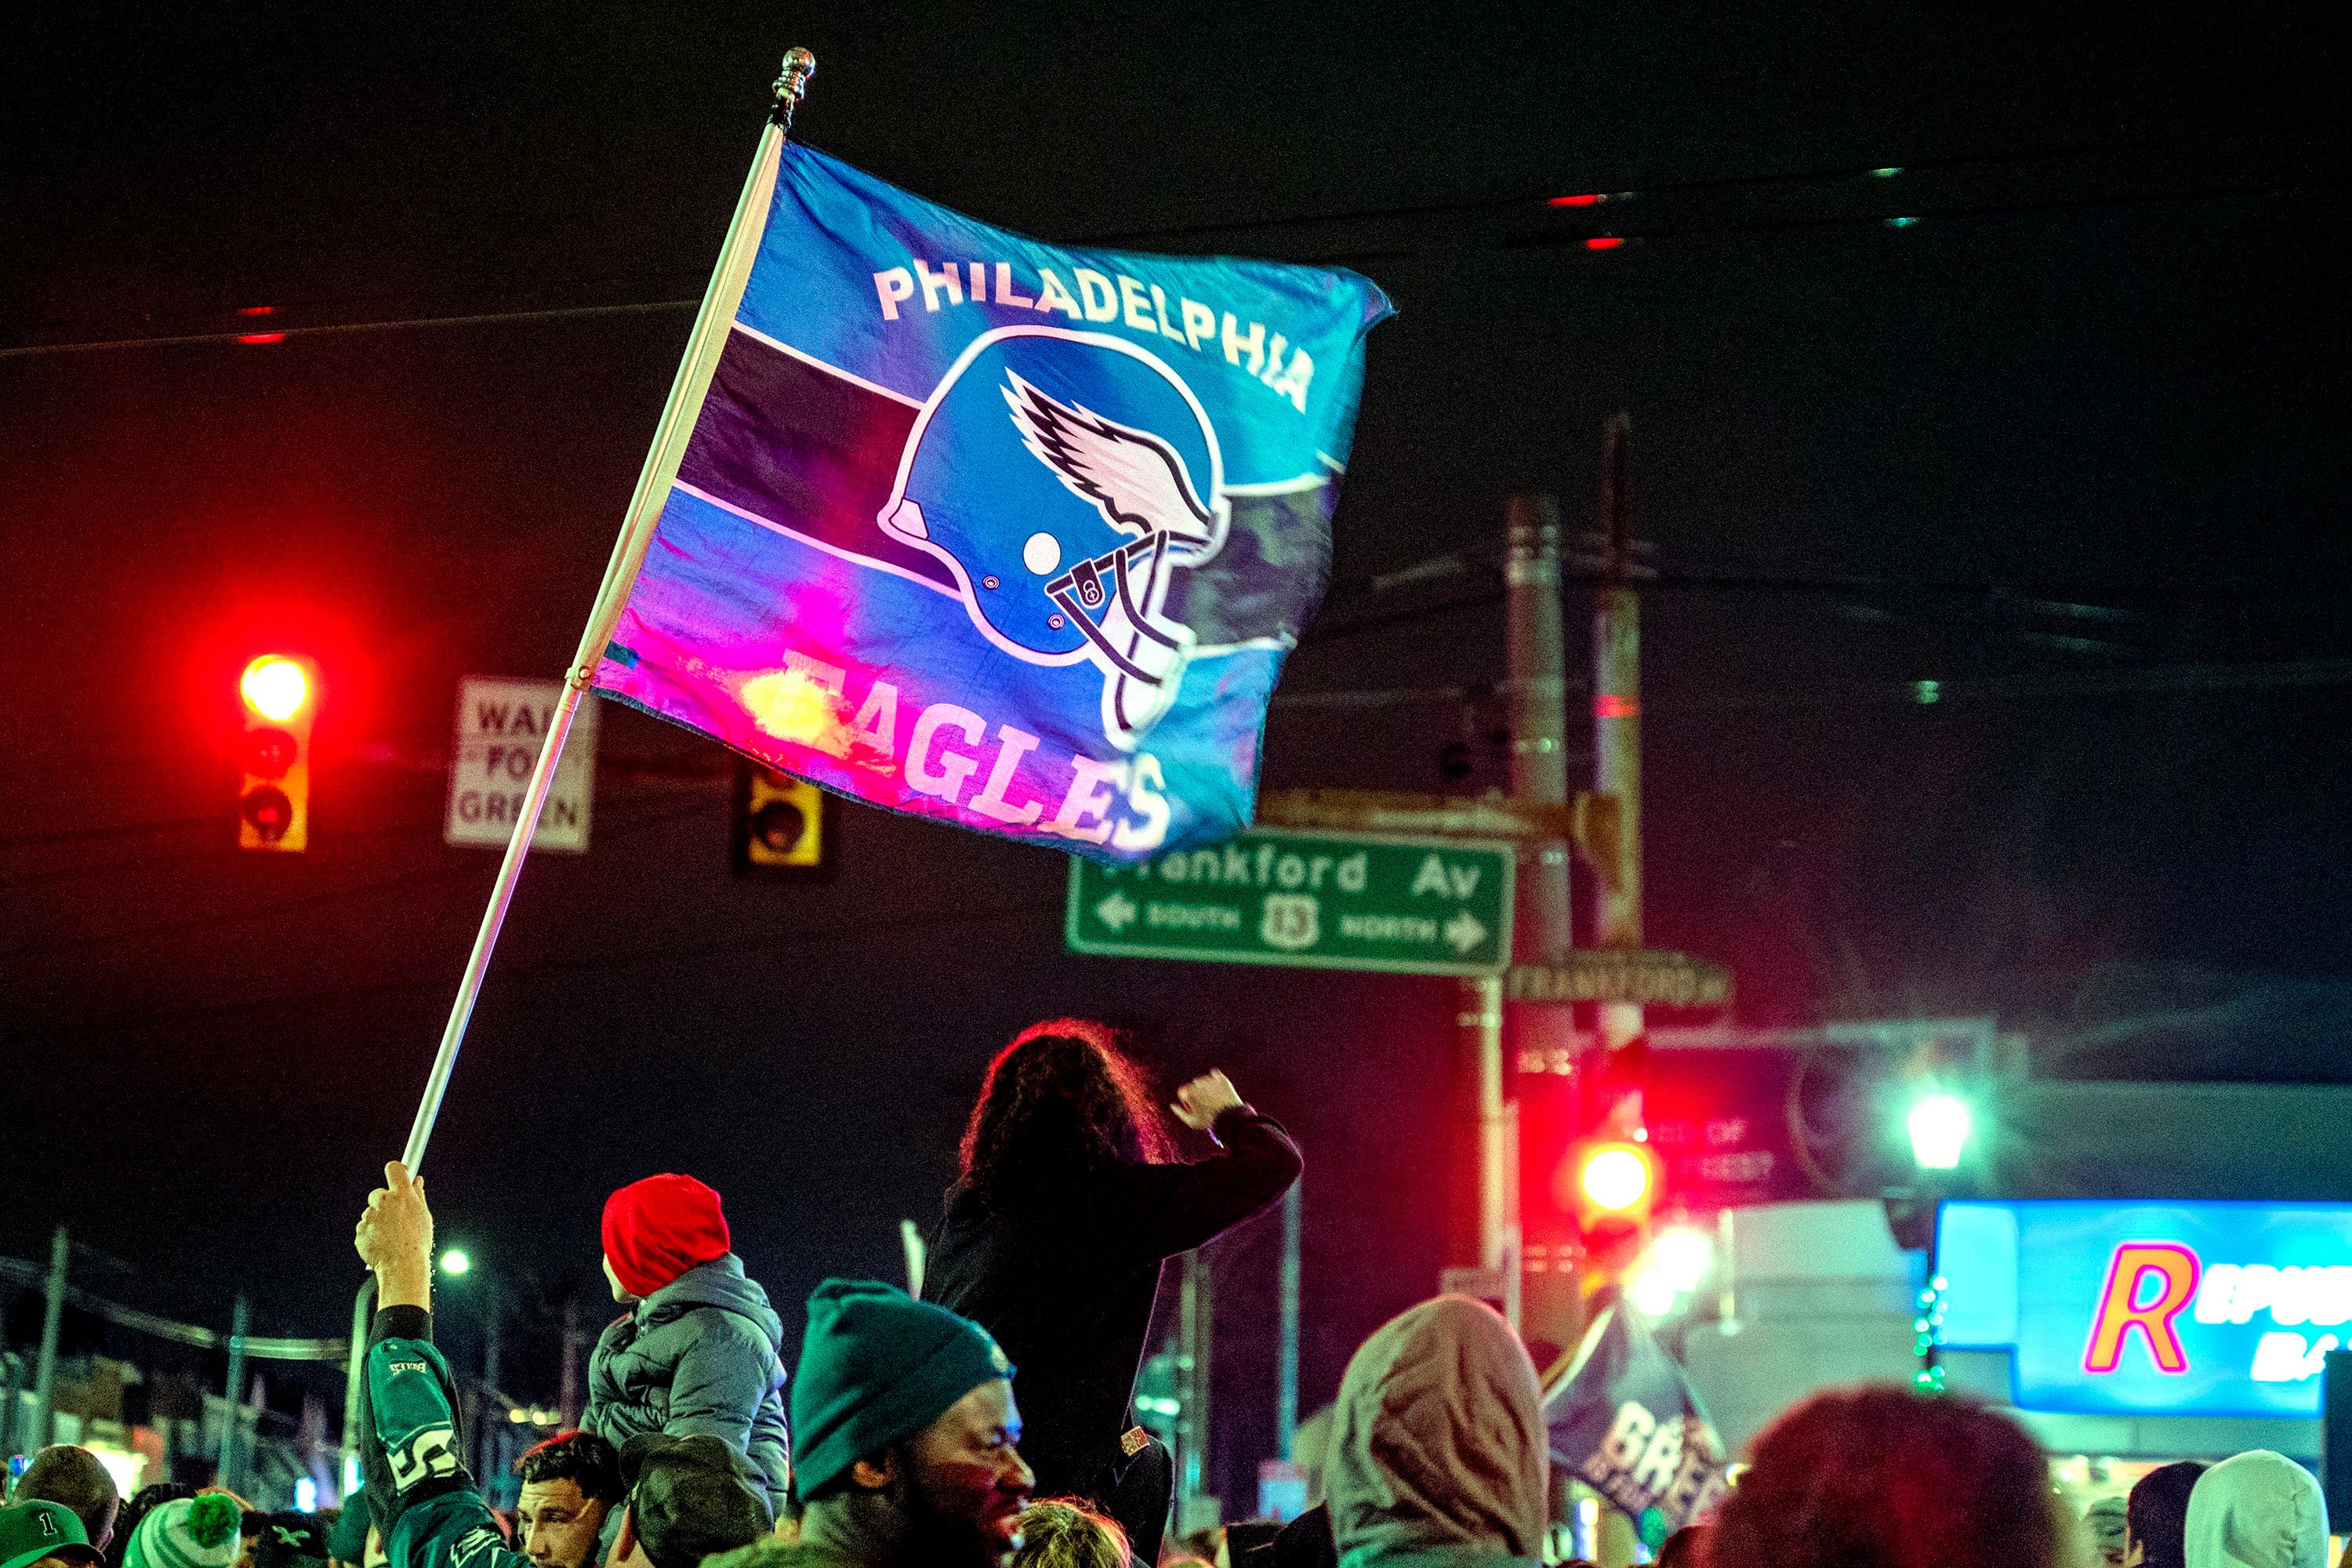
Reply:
x=201, y=1531
x=907, y=1434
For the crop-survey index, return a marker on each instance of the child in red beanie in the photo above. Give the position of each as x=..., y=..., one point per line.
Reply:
x=700, y=1348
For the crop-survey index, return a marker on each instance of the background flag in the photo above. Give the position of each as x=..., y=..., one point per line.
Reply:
x=1625, y=1421
x=997, y=531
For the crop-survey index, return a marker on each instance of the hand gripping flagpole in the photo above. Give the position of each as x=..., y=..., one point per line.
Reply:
x=686, y=395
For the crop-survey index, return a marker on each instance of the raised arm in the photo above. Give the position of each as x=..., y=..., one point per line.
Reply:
x=1179, y=1207
x=418, y=1488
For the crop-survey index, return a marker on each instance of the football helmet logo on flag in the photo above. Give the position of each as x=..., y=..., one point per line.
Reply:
x=1063, y=478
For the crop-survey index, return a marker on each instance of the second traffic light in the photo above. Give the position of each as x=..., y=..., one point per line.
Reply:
x=783, y=825
x=278, y=694
x=1615, y=1183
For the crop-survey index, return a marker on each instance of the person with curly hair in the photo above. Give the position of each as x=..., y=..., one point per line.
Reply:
x=1069, y=1199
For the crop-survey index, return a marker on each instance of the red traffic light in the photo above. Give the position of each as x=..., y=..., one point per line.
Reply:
x=1610, y=1184
x=275, y=686
x=1614, y=1176
x=280, y=697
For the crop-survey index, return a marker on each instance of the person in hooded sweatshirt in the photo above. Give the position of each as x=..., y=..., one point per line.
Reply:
x=1438, y=1451
x=698, y=1351
x=2257, y=1509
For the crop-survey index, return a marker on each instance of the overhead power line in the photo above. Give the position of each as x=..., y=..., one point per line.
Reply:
x=1576, y=222
x=423, y=877
x=279, y=335
x=817, y=934
x=260, y=1347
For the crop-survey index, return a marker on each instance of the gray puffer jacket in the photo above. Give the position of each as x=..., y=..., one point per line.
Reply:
x=700, y=1354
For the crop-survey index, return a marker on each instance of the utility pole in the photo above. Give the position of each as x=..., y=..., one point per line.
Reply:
x=12, y=1386
x=494, y=1429
x=1478, y=1034
x=240, y=1320
x=1617, y=725
x=45, y=1373
x=354, y=1374
x=1195, y=1315
x=575, y=1340
x=1536, y=666
x=1286, y=1406
x=1617, y=779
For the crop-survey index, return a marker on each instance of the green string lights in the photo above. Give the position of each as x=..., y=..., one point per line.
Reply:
x=1926, y=1333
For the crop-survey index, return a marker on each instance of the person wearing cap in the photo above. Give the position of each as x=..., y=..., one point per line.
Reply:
x=699, y=1350
x=908, y=1436
x=43, y=1534
x=73, y=1476
x=688, y=1496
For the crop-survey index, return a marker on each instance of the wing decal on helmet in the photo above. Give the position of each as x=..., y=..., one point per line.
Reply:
x=1138, y=481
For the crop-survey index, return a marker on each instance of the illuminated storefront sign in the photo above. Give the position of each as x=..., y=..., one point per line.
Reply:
x=2201, y=1309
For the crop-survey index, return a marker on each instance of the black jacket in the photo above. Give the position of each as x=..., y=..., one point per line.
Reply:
x=1064, y=1280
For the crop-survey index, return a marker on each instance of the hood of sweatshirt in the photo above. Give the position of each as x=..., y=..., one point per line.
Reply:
x=2257, y=1509
x=1438, y=1450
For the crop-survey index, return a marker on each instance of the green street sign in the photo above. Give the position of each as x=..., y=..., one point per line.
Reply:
x=1622, y=974
x=1310, y=901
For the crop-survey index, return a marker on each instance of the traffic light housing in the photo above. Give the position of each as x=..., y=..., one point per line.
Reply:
x=783, y=826
x=1591, y=1178
x=1613, y=1185
x=278, y=696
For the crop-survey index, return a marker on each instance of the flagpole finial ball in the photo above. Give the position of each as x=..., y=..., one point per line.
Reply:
x=791, y=84
x=799, y=66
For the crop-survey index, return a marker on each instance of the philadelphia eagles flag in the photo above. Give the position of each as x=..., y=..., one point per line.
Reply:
x=1001, y=533
x=968, y=526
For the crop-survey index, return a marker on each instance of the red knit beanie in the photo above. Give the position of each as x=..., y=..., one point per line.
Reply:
x=657, y=1229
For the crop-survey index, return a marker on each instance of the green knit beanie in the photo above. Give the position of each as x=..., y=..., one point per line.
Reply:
x=200, y=1531
x=878, y=1366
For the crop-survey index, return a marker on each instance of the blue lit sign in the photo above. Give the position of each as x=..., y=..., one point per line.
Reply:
x=2207, y=1308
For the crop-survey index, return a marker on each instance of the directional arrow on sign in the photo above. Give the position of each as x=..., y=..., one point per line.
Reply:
x=1465, y=931
x=1308, y=899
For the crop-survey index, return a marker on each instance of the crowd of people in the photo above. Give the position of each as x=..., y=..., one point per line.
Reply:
x=990, y=1426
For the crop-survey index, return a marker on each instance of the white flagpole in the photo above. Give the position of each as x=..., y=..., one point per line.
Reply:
x=686, y=395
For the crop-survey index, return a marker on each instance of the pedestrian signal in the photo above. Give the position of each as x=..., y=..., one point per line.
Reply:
x=278, y=694
x=783, y=825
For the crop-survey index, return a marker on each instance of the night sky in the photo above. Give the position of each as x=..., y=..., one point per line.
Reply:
x=2068, y=446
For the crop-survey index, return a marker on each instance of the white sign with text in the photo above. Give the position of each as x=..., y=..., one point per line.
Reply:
x=500, y=724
